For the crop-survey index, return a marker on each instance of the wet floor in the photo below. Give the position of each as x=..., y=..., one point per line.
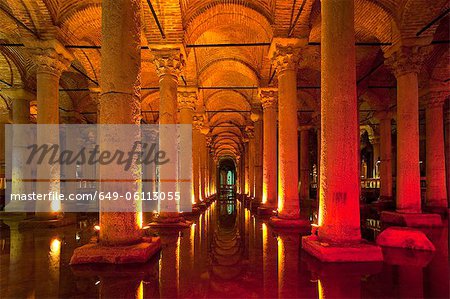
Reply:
x=228, y=252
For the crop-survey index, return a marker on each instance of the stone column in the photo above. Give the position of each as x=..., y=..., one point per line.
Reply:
x=258, y=157
x=196, y=145
x=202, y=153
x=169, y=61
x=251, y=160
x=51, y=59
x=339, y=218
x=435, y=155
x=250, y=134
x=120, y=231
x=20, y=115
x=285, y=56
x=406, y=64
x=187, y=97
x=4, y=119
x=447, y=147
x=304, y=163
x=268, y=98
x=385, y=156
x=121, y=67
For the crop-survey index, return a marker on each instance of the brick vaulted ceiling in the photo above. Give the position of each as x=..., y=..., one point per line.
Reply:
x=196, y=22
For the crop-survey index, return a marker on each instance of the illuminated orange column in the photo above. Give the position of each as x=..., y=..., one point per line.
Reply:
x=202, y=153
x=196, y=144
x=268, y=98
x=285, y=56
x=51, y=59
x=435, y=156
x=385, y=156
x=304, y=162
x=169, y=60
x=258, y=156
x=406, y=64
x=339, y=218
x=187, y=97
x=250, y=132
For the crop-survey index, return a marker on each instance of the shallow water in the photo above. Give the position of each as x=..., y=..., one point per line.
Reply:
x=228, y=252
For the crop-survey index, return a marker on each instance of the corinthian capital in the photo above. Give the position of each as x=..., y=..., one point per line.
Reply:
x=268, y=97
x=50, y=56
x=285, y=53
x=187, y=97
x=405, y=60
x=198, y=121
x=169, y=60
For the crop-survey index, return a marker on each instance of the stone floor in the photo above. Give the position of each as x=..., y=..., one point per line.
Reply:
x=228, y=252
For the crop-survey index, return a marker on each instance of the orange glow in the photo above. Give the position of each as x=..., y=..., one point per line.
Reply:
x=55, y=247
x=140, y=291
x=140, y=219
x=264, y=195
x=280, y=196
x=320, y=289
x=97, y=227
x=281, y=263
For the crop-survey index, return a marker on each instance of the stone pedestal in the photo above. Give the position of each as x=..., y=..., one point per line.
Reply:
x=411, y=219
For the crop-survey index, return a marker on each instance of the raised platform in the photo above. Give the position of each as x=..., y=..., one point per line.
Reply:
x=281, y=223
x=404, y=237
x=341, y=252
x=176, y=223
x=411, y=219
x=95, y=253
x=264, y=211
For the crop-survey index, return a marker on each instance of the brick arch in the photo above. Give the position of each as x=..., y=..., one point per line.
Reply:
x=418, y=13
x=239, y=15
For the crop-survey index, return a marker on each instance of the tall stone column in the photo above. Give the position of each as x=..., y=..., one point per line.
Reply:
x=385, y=156
x=447, y=147
x=250, y=134
x=268, y=98
x=304, y=163
x=258, y=157
x=169, y=61
x=120, y=232
x=339, y=218
x=20, y=115
x=435, y=155
x=202, y=152
x=196, y=145
x=121, y=66
x=187, y=97
x=251, y=160
x=51, y=59
x=285, y=56
x=406, y=64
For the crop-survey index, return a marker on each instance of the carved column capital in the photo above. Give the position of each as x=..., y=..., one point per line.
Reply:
x=269, y=97
x=284, y=53
x=250, y=132
x=405, y=60
x=197, y=121
x=168, y=60
x=436, y=99
x=187, y=97
x=50, y=56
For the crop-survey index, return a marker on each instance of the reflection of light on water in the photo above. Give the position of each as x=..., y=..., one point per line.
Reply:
x=281, y=262
x=192, y=240
x=140, y=291
x=264, y=239
x=55, y=247
x=178, y=261
x=320, y=289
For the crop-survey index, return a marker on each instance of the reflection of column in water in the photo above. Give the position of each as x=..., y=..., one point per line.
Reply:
x=169, y=266
x=47, y=265
x=269, y=256
x=437, y=270
x=288, y=251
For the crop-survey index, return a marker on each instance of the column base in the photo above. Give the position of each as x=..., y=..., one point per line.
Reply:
x=443, y=211
x=98, y=254
x=404, y=237
x=46, y=223
x=341, y=252
x=411, y=219
x=297, y=223
x=266, y=210
x=254, y=205
x=170, y=222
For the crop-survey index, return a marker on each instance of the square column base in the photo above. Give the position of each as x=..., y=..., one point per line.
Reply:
x=411, y=219
x=405, y=237
x=282, y=223
x=341, y=252
x=264, y=211
x=98, y=254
